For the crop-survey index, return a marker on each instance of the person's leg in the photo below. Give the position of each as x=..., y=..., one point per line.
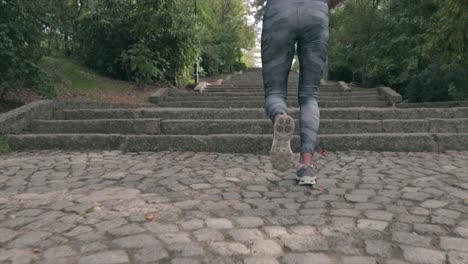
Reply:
x=278, y=44
x=277, y=56
x=312, y=52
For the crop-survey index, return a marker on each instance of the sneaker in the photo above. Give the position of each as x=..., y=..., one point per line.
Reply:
x=305, y=175
x=281, y=153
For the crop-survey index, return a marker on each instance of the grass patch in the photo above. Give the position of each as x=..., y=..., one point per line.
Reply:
x=72, y=80
x=66, y=73
x=4, y=148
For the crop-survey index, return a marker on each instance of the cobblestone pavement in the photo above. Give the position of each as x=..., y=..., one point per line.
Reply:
x=184, y=207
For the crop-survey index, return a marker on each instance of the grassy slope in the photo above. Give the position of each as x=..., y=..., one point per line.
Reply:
x=73, y=81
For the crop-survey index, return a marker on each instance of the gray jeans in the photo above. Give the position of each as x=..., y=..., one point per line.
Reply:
x=285, y=24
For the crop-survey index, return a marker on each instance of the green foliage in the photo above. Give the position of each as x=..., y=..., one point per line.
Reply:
x=149, y=40
x=60, y=19
x=102, y=35
x=143, y=41
x=4, y=148
x=21, y=33
x=139, y=64
x=437, y=84
x=447, y=35
x=224, y=34
x=259, y=6
x=410, y=45
x=66, y=74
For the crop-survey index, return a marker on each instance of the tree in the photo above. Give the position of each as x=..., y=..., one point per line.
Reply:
x=21, y=33
x=396, y=42
x=224, y=34
x=149, y=40
x=142, y=40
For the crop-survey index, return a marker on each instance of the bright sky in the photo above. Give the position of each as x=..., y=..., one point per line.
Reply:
x=251, y=21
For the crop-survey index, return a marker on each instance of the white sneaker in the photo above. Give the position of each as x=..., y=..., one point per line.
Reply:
x=305, y=176
x=281, y=153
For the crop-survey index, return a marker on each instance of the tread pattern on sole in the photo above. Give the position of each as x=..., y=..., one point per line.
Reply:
x=281, y=153
x=307, y=180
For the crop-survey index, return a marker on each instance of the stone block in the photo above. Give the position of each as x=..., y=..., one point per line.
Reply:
x=391, y=96
x=160, y=95
x=344, y=86
x=19, y=120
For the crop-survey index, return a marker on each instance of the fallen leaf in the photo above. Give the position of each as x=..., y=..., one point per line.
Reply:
x=323, y=152
x=149, y=216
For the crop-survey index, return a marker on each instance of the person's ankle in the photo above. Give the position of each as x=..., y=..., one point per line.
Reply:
x=278, y=115
x=306, y=159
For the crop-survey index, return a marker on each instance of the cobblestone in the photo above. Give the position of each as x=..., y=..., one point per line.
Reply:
x=457, y=257
x=461, y=231
x=186, y=249
x=248, y=222
x=372, y=224
x=379, y=248
x=451, y=243
x=245, y=234
x=219, y=223
x=260, y=260
x=109, y=257
x=305, y=258
x=30, y=239
x=358, y=260
x=411, y=239
x=208, y=235
x=7, y=234
x=275, y=231
x=266, y=247
x=183, y=207
x=59, y=252
x=423, y=255
x=136, y=241
x=192, y=224
x=229, y=248
x=151, y=254
x=305, y=243
x=95, y=246
x=357, y=198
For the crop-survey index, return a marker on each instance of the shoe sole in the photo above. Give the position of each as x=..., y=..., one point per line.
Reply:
x=281, y=153
x=307, y=180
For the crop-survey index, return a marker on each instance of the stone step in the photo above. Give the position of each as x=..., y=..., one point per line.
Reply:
x=260, y=89
x=256, y=81
x=327, y=126
x=236, y=126
x=259, y=113
x=259, y=98
x=150, y=126
x=449, y=104
x=260, y=104
x=236, y=143
x=174, y=93
x=260, y=85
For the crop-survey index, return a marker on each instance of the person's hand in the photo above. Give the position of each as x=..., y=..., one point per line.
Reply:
x=333, y=3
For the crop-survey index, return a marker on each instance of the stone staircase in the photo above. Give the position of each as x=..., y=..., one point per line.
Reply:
x=246, y=91
x=229, y=117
